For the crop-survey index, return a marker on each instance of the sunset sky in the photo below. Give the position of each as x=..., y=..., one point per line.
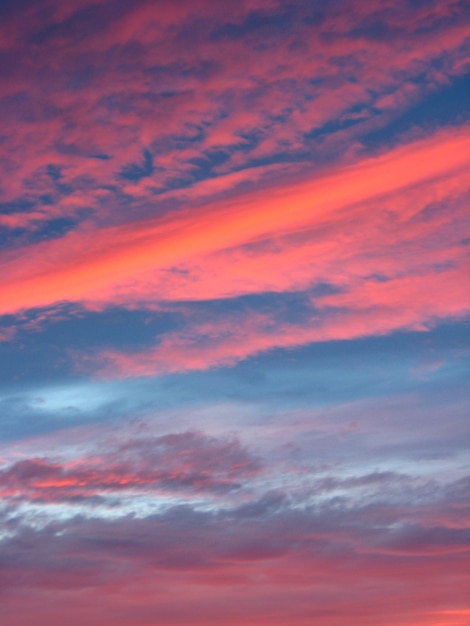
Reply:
x=234, y=312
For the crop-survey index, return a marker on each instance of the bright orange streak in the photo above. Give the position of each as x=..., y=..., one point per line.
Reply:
x=81, y=266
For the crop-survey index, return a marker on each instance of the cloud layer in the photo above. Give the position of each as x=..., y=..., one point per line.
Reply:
x=234, y=312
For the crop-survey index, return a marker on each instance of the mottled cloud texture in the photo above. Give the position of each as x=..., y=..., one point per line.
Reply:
x=234, y=304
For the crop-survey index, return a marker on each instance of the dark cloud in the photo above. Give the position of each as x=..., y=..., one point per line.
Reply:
x=176, y=462
x=267, y=530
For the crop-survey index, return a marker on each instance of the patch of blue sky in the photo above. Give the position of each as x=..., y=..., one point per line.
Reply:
x=40, y=409
x=255, y=23
x=351, y=117
x=48, y=355
x=134, y=172
x=55, y=228
x=446, y=105
x=429, y=367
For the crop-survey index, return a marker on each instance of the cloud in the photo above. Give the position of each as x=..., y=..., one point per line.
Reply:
x=313, y=74
x=374, y=308
x=7, y=334
x=209, y=514
x=187, y=462
x=186, y=552
x=120, y=259
x=191, y=186
x=193, y=180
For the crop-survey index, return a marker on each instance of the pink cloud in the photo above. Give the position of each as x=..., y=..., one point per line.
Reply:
x=200, y=90
x=368, y=230
x=203, y=152
x=366, y=309
x=264, y=565
x=118, y=257
x=184, y=462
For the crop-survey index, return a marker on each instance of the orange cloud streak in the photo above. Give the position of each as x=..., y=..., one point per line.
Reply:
x=99, y=265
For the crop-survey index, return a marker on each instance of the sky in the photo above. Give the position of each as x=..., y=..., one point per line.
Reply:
x=234, y=313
